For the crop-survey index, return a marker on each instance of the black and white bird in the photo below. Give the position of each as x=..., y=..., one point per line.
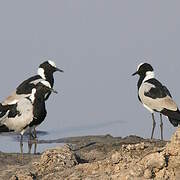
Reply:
x=156, y=97
x=45, y=71
x=22, y=113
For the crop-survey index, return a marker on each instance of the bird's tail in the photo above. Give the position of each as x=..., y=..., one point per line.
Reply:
x=174, y=122
x=173, y=116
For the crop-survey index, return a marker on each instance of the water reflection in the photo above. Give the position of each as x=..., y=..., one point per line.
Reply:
x=10, y=143
x=53, y=136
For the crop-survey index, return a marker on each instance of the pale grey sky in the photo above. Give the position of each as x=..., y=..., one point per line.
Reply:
x=99, y=45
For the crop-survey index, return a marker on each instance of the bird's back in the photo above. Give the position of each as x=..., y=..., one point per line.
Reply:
x=156, y=96
x=23, y=90
x=26, y=86
x=22, y=119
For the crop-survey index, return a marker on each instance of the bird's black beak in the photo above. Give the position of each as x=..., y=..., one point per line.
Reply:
x=135, y=73
x=60, y=70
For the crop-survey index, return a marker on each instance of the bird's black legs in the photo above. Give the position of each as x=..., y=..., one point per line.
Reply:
x=32, y=140
x=35, y=146
x=29, y=141
x=35, y=137
x=154, y=125
x=35, y=134
x=161, y=126
x=21, y=144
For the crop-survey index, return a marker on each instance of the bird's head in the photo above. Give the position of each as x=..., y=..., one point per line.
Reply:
x=144, y=69
x=47, y=67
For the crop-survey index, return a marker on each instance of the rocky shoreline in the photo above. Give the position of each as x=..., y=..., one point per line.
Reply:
x=97, y=157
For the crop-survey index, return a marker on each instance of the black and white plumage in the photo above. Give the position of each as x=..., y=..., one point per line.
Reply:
x=39, y=103
x=45, y=72
x=18, y=123
x=156, y=97
x=19, y=116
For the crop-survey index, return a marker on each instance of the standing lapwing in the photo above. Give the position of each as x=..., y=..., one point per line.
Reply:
x=45, y=71
x=39, y=107
x=156, y=97
x=20, y=114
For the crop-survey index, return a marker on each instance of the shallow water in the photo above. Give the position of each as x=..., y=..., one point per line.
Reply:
x=48, y=131
x=10, y=143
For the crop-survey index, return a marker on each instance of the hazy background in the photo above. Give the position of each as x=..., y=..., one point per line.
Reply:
x=99, y=45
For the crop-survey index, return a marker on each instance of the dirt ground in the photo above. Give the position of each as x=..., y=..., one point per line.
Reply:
x=85, y=150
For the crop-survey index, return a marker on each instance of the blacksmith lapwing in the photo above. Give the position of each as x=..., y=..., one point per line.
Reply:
x=156, y=97
x=23, y=112
x=45, y=71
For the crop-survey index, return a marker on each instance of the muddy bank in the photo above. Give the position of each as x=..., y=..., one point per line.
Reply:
x=83, y=157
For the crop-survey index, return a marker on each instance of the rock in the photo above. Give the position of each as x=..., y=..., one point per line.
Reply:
x=162, y=175
x=139, y=146
x=54, y=160
x=116, y=157
x=148, y=174
x=154, y=161
x=136, y=171
x=95, y=157
x=131, y=147
x=172, y=154
x=23, y=175
x=174, y=146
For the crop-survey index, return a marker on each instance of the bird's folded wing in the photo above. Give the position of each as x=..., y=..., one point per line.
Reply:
x=167, y=91
x=23, y=117
x=154, y=89
x=3, y=116
x=7, y=111
x=158, y=97
x=27, y=84
x=14, y=98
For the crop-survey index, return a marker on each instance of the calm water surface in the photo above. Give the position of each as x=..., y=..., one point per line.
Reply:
x=10, y=142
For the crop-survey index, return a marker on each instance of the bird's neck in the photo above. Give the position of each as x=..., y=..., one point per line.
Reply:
x=46, y=75
x=140, y=81
x=49, y=78
x=39, y=96
x=145, y=77
x=149, y=75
